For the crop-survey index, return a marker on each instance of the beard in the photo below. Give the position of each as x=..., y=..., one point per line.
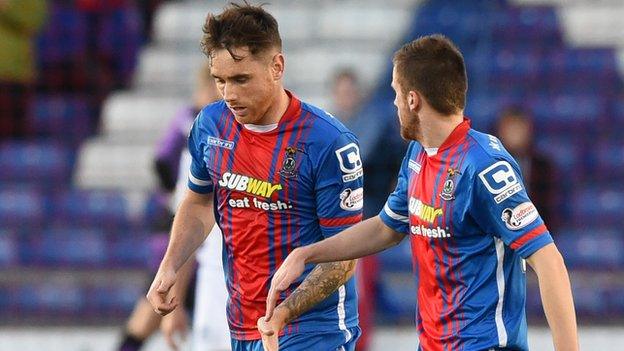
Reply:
x=410, y=127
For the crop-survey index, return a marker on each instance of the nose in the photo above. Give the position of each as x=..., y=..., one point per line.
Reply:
x=229, y=93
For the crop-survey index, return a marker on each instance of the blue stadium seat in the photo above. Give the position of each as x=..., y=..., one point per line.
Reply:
x=591, y=248
x=564, y=112
x=484, y=109
x=114, y=301
x=607, y=161
x=6, y=300
x=64, y=37
x=568, y=152
x=63, y=297
x=598, y=205
x=48, y=164
x=105, y=209
x=8, y=248
x=130, y=249
x=66, y=118
x=526, y=26
x=617, y=112
x=22, y=208
x=65, y=247
x=119, y=40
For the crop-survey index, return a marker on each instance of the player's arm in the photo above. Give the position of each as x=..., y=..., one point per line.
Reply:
x=334, y=257
x=502, y=206
x=192, y=222
x=554, y=285
x=175, y=324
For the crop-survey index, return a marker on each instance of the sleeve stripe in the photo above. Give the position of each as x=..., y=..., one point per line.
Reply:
x=528, y=236
x=338, y=222
x=395, y=215
x=198, y=181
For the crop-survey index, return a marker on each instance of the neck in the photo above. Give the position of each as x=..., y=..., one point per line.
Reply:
x=277, y=108
x=436, y=128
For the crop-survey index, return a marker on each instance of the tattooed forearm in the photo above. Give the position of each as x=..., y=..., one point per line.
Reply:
x=324, y=279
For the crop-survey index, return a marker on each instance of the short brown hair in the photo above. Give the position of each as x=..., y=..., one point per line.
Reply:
x=433, y=66
x=240, y=26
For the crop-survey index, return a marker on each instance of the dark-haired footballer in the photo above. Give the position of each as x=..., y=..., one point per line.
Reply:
x=275, y=173
x=461, y=202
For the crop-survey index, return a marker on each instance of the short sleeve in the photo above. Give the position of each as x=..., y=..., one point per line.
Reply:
x=394, y=214
x=339, y=185
x=502, y=207
x=199, y=179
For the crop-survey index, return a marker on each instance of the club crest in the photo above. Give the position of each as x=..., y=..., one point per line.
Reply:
x=448, y=190
x=289, y=166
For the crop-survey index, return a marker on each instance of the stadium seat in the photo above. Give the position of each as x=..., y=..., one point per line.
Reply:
x=594, y=249
x=64, y=37
x=161, y=69
x=130, y=249
x=70, y=118
x=110, y=164
x=139, y=117
x=62, y=298
x=598, y=205
x=45, y=163
x=607, y=161
x=103, y=209
x=114, y=299
x=179, y=23
x=65, y=247
x=565, y=112
x=22, y=208
x=8, y=248
x=119, y=39
x=534, y=26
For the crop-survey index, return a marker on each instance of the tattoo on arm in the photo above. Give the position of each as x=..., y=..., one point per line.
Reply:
x=324, y=279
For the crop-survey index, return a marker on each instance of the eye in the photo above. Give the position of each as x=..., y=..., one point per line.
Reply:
x=241, y=80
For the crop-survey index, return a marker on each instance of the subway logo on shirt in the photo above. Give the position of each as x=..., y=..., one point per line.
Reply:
x=248, y=185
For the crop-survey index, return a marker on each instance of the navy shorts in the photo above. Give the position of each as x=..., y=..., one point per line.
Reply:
x=322, y=341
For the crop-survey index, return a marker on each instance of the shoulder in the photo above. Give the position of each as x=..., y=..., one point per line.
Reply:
x=487, y=150
x=208, y=118
x=211, y=112
x=325, y=126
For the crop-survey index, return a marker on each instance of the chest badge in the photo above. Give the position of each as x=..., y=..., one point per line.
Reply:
x=448, y=190
x=289, y=166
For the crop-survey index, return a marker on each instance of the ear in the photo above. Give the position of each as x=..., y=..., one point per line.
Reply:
x=414, y=101
x=277, y=66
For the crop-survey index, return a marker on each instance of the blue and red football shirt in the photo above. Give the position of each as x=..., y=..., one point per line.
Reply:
x=471, y=224
x=275, y=191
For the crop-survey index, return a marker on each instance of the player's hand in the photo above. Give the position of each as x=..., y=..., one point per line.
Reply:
x=174, y=327
x=161, y=295
x=269, y=333
x=291, y=269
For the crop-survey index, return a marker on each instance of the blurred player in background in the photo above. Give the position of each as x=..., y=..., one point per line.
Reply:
x=171, y=159
x=347, y=99
x=19, y=23
x=346, y=94
x=462, y=203
x=277, y=173
x=515, y=130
